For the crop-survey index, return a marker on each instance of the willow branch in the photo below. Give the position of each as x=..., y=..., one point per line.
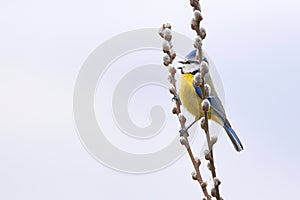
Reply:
x=196, y=163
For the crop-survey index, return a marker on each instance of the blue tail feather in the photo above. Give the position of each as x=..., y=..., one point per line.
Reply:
x=233, y=137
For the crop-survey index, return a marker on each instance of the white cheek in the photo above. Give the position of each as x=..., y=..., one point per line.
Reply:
x=190, y=68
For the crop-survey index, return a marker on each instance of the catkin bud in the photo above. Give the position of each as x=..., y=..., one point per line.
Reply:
x=198, y=79
x=209, y=166
x=205, y=105
x=166, y=59
x=203, y=123
x=207, y=154
x=184, y=142
x=213, y=192
x=198, y=42
x=213, y=140
x=174, y=110
x=202, y=33
x=194, y=175
x=207, y=90
x=198, y=162
x=173, y=54
x=161, y=32
x=182, y=118
x=193, y=3
x=204, y=185
x=197, y=15
x=172, y=90
x=166, y=46
x=217, y=182
x=194, y=24
x=168, y=34
x=172, y=69
x=167, y=25
x=204, y=68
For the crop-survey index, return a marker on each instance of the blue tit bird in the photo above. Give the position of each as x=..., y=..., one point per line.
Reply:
x=191, y=97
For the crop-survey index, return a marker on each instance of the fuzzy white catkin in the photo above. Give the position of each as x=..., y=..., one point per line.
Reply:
x=202, y=32
x=207, y=89
x=171, y=45
x=161, y=31
x=213, y=192
x=209, y=166
x=167, y=25
x=182, y=118
x=202, y=123
x=197, y=15
x=184, y=142
x=204, y=184
x=198, y=42
x=168, y=34
x=213, y=140
x=166, y=46
x=194, y=174
x=217, y=181
x=206, y=152
x=172, y=70
x=204, y=68
x=197, y=160
x=166, y=58
x=205, y=105
x=194, y=22
x=172, y=53
x=198, y=78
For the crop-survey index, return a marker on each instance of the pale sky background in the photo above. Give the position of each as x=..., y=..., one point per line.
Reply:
x=254, y=45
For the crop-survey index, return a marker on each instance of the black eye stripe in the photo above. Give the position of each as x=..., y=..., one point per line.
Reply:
x=189, y=62
x=193, y=72
x=193, y=62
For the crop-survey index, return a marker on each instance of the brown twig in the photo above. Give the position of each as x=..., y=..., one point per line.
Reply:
x=210, y=158
x=196, y=163
x=170, y=55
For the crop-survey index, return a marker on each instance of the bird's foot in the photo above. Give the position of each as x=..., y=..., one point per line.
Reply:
x=183, y=131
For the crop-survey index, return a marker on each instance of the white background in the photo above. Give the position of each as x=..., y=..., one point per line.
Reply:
x=43, y=44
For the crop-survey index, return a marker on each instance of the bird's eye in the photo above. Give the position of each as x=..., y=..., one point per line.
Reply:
x=187, y=62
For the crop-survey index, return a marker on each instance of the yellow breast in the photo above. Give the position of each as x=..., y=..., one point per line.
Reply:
x=191, y=101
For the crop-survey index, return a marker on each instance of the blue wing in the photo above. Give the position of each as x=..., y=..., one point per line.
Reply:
x=198, y=91
x=217, y=106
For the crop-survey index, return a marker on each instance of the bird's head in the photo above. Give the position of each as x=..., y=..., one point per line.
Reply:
x=190, y=63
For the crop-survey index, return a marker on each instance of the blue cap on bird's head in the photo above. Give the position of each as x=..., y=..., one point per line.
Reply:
x=191, y=55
